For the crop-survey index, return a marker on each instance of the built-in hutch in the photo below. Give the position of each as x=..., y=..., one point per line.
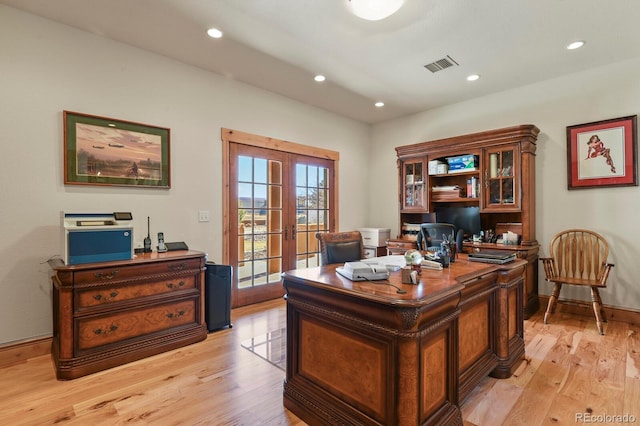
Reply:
x=499, y=180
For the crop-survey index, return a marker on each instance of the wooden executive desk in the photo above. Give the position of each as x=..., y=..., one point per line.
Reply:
x=360, y=353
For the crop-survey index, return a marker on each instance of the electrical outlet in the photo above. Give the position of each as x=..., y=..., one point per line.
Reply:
x=203, y=216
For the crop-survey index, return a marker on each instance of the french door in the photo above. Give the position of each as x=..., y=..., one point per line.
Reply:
x=277, y=202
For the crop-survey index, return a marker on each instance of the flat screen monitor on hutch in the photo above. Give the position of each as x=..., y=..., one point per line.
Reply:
x=465, y=218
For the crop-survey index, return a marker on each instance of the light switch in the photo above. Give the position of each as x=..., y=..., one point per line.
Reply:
x=203, y=216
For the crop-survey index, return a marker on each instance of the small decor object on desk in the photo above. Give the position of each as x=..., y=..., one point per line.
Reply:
x=510, y=238
x=147, y=240
x=414, y=259
x=161, y=247
x=448, y=247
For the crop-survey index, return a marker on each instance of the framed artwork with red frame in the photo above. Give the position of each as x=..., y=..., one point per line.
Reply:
x=603, y=153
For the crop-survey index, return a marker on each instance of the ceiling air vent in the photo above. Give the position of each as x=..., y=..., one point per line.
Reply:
x=441, y=64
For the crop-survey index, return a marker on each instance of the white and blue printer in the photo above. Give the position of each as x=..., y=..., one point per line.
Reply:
x=97, y=237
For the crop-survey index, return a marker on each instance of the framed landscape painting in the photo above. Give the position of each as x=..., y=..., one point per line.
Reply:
x=105, y=151
x=603, y=153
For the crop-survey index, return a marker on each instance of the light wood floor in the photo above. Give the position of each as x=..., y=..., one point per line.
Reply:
x=570, y=370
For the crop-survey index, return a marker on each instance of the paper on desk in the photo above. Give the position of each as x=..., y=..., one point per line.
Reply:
x=393, y=263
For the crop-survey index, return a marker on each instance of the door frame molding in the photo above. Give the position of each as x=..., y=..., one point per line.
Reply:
x=229, y=136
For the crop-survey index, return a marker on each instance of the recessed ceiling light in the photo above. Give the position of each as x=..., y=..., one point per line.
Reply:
x=473, y=77
x=575, y=45
x=379, y=104
x=214, y=33
x=319, y=78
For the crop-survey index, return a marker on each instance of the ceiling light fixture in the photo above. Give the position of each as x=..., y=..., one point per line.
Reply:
x=214, y=33
x=379, y=104
x=473, y=77
x=374, y=10
x=575, y=45
x=319, y=78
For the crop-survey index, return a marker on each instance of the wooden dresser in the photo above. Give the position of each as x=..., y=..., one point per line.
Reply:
x=110, y=313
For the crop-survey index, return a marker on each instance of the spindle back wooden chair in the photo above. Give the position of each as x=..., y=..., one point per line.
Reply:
x=578, y=257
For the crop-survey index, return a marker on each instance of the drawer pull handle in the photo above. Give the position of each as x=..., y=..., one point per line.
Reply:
x=111, y=296
x=171, y=315
x=172, y=285
x=179, y=267
x=101, y=332
x=108, y=276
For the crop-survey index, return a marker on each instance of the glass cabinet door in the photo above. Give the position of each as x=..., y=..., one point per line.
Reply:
x=413, y=185
x=501, y=179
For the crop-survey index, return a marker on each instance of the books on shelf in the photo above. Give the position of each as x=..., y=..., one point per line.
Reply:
x=443, y=193
x=473, y=187
x=445, y=188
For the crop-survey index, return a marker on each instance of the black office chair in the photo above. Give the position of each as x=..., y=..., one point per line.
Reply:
x=432, y=235
x=340, y=247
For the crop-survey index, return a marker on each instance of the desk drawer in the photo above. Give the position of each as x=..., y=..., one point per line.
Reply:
x=94, y=332
x=400, y=246
x=119, y=274
x=109, y=294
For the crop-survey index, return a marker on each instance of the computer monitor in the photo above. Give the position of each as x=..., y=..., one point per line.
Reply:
x=465, y=218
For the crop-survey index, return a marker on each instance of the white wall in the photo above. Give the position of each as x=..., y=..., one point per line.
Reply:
x=609, y=92
x=46, y=68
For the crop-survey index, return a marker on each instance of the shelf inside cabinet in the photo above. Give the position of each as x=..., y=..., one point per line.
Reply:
x=447, y=175
x=475, y=200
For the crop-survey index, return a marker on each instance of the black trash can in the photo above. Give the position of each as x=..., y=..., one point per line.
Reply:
x=217, y=296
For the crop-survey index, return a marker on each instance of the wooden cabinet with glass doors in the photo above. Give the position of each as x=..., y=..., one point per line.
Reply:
x=413, y=187
x=502, y=188
x=500, y=184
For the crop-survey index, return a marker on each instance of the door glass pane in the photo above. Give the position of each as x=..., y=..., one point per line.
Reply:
x=260, y=272
x=313, y=177
x=312, y=211
x=259, y=221
x=494, y=191
x=260, y=170
x=301, y=175
x=507, y=163
x=323, y=221
x=324, y=177
x=494, y=165
x=245, y=168
x=507, y=191
x=275, y=220
x=259, y=196
x=275, y=197
x=323, y=202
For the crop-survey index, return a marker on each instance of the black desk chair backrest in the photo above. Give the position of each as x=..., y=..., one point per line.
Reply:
x=340, y=247
x=432, y=235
